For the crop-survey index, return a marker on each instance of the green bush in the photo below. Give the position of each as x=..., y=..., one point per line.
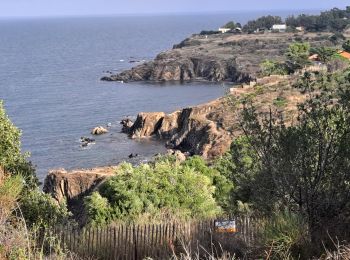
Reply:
x=280, y=102
x=297, y=56
x=11, y=158
x=223, y=186
x=39, y=208
x=269, y=67
x=148, y=189
x=98, y=208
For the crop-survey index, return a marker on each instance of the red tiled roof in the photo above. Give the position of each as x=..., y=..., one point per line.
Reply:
x=345, y=54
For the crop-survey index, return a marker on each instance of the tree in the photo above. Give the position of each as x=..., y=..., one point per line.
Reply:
x=346, y=46
x=324, y=54
x=303, y=167
x=297, y=56
x=41, y=209
x=334, y=20
x=337, y=37
x=263, y=22
x=230, y=25
x=11, y=158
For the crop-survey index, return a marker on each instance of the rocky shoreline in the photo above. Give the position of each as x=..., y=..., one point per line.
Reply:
x=221, y=57
x=206, y=130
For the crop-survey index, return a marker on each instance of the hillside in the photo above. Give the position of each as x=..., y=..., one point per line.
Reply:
x=220, y=57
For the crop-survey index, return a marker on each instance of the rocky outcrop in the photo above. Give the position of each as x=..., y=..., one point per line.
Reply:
x=145, y=125
x=99, y=130
x=222, y=57
x=71, y=186
x=193, y=130
x=126, y=124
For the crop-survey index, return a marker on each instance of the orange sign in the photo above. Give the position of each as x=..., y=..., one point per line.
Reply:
x=226, y=226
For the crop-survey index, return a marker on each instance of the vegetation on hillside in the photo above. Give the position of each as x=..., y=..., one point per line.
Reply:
x=335, y=20
x=24, y=209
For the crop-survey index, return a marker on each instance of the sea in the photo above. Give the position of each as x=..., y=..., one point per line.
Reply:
x=50, y=70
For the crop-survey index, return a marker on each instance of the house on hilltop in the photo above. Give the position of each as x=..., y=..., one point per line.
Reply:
x=279, y=27
x=224, y=30
x=345, y=54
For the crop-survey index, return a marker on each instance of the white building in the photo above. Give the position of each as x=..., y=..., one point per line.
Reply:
x=279, y=27
x=224, y=30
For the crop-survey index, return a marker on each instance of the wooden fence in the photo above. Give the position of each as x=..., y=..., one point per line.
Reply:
x=157, y=241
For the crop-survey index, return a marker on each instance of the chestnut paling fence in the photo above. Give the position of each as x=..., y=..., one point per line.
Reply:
x=157, y=241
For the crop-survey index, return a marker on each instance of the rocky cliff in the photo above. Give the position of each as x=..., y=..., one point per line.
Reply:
x=196, y=130
x=70, y=186
x=223, y=57
x=209, y=129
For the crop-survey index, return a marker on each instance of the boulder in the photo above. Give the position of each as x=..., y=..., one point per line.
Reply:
x=133, y=155
x=85, y=141
x=180, y=156
x=126, y=125
x=146, y=124
x=99, y=130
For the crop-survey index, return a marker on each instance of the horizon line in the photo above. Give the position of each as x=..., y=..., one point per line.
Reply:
x=147, y=14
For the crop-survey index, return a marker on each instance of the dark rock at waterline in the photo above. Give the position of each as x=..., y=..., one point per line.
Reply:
x=133, y=155
x=126, y=125
x=85, y=141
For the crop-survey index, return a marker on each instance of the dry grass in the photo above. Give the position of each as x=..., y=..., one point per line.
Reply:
x=342, y=252
x=202, y=253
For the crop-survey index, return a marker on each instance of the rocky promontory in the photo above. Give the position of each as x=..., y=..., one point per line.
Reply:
x=221, y=57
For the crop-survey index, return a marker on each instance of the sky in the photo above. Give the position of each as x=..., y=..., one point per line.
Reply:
x=35, y=8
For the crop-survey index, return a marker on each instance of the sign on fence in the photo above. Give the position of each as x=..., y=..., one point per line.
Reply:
x=227, y=226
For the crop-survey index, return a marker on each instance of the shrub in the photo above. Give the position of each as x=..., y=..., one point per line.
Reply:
x=98, y=209
x=280, y=102
x=223, y=186
x=297, y=56
x=346, y=46
x=10, y=189
x=40, y=209
x=11, y=158
x=150, y=188
x=269, y=67
x=208, y=32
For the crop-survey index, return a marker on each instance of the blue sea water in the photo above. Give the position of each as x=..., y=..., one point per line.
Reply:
x=49, y=80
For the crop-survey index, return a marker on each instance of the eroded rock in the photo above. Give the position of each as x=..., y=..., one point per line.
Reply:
x=99, y=130
x=69, y=186
x=126, y=125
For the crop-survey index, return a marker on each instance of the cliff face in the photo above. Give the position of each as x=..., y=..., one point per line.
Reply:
x=71, y=186
x=223, y=57
x=196, y=130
